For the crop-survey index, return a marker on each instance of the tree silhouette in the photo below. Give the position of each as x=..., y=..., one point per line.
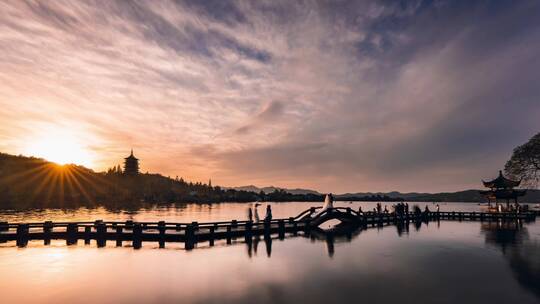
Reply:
x=525, y=162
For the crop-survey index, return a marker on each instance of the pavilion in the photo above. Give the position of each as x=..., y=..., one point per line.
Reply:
x=502, y=188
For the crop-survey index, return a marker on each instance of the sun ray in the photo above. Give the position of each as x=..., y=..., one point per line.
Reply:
x=31, y=179
x=96, y=178
x=69, y=183
x=23, y=174
x=61, y=175
x=52, y=187
x=46, y=179
x=45, y=185
x=80, y=187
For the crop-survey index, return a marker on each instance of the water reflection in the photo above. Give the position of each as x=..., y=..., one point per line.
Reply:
x=522, y=254
x=412, y=262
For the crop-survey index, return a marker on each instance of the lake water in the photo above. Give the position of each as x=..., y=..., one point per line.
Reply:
x=441, y=262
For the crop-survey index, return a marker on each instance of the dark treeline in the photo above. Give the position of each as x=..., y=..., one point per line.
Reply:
x=27, y=182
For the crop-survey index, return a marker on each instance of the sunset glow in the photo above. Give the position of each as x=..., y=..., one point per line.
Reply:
x=343, y=96
x=60, y=148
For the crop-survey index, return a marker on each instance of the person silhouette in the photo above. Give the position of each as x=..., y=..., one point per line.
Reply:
x=268, y=216
x=250, y=214
x=256, y=213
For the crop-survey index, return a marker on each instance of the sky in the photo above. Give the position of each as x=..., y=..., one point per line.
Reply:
x=338, y=96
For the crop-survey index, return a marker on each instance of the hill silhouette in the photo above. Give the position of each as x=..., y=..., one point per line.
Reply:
x=29, y=182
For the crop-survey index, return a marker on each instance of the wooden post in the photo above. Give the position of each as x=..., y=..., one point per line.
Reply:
x=47, y=230
x=72, y=230
x=4, y=226
x=248, y=231
x=87, y=232
x=137, y=236
x=22, y=235
x=190, y=237
x=161, y=229
x=212, y=230
x=266, y=228
x=229, y=234
x=215, y=229
x=119, y=235
x=281, y=229
x=234, y=225
x=101, y=234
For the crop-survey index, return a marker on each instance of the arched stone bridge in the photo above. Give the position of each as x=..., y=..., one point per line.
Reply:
x=347, y=216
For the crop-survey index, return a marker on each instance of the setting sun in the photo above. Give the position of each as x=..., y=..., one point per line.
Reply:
x=60, y=148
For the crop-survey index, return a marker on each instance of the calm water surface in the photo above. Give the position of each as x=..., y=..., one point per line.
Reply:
x=441, y=262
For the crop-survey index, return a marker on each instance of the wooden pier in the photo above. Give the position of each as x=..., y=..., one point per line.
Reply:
x=192, y=233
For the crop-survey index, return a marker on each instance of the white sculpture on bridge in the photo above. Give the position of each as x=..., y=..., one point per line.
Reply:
x=328, y=202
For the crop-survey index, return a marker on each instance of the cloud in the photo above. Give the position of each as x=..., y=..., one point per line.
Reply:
x=267, y=116
x=337, y=96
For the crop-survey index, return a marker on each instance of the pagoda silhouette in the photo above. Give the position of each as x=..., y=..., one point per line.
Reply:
x=131, y=165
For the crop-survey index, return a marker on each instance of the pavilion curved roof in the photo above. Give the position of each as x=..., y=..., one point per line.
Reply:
x=501, y=182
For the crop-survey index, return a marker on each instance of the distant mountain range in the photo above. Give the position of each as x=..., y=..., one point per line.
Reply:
x=472, y=195
x=272, y=189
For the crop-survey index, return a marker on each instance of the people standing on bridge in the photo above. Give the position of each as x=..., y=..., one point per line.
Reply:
x=250, y=214
x=400, y=208
x=385, y=209
x=268, y=216
x=360, y=210
x=256, y=213
x=379, y=208
x=438, y=208
x=417, y=210
x=407, y=209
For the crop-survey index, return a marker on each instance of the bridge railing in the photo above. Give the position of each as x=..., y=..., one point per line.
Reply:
x=237, y=224
x=146, y=226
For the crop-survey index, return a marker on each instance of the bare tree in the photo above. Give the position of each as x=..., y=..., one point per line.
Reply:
x=525, y=162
